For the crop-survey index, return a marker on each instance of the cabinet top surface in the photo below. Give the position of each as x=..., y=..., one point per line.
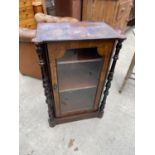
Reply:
x=54, y=32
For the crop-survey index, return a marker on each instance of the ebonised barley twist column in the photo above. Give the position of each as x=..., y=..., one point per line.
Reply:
x=41, y=50
x=110, y=77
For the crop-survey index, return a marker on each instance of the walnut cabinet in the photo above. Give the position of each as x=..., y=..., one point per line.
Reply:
x=76, y=69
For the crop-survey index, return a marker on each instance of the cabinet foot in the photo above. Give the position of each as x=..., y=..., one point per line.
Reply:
x=100, y=114
x=51, y=124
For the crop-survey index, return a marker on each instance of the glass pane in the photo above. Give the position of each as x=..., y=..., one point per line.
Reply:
x=78, y=75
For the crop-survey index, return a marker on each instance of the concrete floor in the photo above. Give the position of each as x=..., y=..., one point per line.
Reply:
x=111, y=135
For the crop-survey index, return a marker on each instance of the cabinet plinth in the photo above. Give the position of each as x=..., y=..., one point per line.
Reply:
x=75, y=61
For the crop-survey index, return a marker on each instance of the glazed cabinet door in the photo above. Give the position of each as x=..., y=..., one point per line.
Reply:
x=78, y=73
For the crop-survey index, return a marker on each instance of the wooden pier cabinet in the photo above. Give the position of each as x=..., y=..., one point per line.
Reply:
x=77, y=63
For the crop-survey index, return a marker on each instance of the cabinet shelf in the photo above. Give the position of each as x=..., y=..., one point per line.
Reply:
x=79, y=56
x=78, y=76
x=77, y=88
x=78, y=61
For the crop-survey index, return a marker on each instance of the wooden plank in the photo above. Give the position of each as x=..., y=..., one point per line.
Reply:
x=56, y=32
x=78, y=61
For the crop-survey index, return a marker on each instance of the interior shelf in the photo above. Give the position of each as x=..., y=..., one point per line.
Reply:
x=78, y=76
x=79, y=56
x=78, y=61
